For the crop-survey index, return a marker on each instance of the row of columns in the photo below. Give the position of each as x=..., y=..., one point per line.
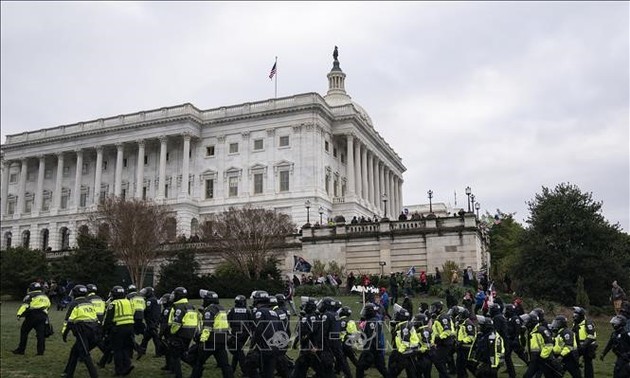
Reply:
x=369, y=178
x=56, y=203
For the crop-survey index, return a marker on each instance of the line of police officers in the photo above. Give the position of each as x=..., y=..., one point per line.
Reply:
x=451, y=340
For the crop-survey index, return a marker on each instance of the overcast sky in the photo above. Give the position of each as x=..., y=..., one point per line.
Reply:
x=503, y=97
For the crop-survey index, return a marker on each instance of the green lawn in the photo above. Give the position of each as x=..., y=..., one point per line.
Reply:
x=54, y=360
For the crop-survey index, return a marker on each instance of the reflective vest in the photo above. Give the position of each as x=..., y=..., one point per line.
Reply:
x=407, y=339
x=137, y=301
x=424, y=333
x=98, y=303
x=466, y=333
x=499, y=349
x=586, y=330
x=442, y=328
x=183, y=317
x=565, y=343
x=82, y=312
x=214, y=320
x=540, y=342
x=35, y=300
x=123, y=311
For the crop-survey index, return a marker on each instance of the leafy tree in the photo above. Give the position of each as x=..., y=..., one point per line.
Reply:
x=318, y=268
x=581, y=297
x=180, y=270
x=247, y=237
x=568, y=237
x=135, y=228
x=19, y=267
x=91, y=262
x=505, y=236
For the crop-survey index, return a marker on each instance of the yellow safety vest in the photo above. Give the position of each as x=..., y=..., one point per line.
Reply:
x=220, y=324
x=190, y=319
x=564, y=343
x=123, y=311
x=35, y=300
x=82, y=312
x=98, y=303
x=407, y=339
x=537, y=343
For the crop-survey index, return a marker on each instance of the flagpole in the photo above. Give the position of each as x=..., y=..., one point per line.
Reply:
x=276, y=79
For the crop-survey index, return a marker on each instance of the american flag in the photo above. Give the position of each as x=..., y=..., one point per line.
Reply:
x=273, y=71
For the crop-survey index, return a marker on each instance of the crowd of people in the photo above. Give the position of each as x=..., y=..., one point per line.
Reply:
x=452, y=340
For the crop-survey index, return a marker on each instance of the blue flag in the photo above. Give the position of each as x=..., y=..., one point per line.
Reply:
x=301, y=265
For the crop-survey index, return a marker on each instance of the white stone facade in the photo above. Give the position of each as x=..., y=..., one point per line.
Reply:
x=276, y=153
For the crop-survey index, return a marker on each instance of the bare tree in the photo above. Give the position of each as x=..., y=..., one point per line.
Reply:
x=246, y=237
x=135, y=228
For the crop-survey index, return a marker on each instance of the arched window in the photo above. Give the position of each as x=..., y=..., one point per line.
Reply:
x=26, y=238
x=65, y=238
x=7, y=239
x=45, y=237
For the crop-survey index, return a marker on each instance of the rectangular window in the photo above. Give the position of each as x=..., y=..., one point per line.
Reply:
x=30, y=176
x=146, y=159
x=258, y=183
x=125, y=163
x=168, y=156
x=66, y=171
x=123, y=194
x=11, y=208
x=233, y=148
x=210, y=151
x=343, y=158
x=284, y=181
x=335, y=182
x=83, y=200
x=165, y=191
x=335, y=151
x=85, y=169
x=144, y=193
x=343, y=189
x=103, y=196
x=258, y=144
x=105, y=165
x=327, y=184
x=13, y=177
x=284, y=141
x=233, y=186
x=28, y=206
x=64, y=202
x=209, y=189
x=326, y=146
x=48, y=173
x=46, y=203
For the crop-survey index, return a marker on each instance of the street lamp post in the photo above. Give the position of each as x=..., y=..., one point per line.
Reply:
x=321, y=213
x=477, y=207
x=472, y=201
x=430, y=193
x=385, y=201
x=468, y=192
x=307, y=204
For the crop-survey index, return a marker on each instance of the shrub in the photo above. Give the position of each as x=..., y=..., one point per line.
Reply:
x=19, y=267
x=180, y=270
x=318, y=268
x=581, y=296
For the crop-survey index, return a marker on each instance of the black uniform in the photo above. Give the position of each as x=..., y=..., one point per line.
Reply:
x=152, y=313
x=309, y=340
x=34, y=310
x=240, y=320
x=372, y=353
x=283, y=364
x=261, y=359
x=213, y=341
x=619, y=343
x=514, y=340
x=81, y=319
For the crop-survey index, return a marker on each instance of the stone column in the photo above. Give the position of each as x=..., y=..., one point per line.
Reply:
x=364, y=178
x=39, y=194
x=370, y=178
x=140, y=169
x=119, y=167
x=395, y=191
x=98, y=173
x=58, y=179
x=377, y=191
x=4, y=191
x=186, y=166
x=400, y=197
x=392, y=198
x=77, y=178
x=22, y=188
x=349, y=165
x=381, y=183
x=357, y=169
x=162, y=171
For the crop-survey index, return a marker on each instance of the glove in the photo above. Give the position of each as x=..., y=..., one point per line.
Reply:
x=65, y=337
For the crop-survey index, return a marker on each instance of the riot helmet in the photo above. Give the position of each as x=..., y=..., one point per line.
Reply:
x=179, y=293
x=78, y=291
x=117, y=292
x=209, y=297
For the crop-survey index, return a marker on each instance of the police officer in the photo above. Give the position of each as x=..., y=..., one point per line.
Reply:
x=487, y=349
x=371, y=354
x=466, y=333
x=514, y=339
x=443, y=337
x=330, y=334
x=139, y=305
x=406, y=343
x=82, y=320
x=261, y=359
x=565, y=346
x=166, y=301
x=584, y=330
x=539, y=345
x=349, y=331
x=424, y=362
x=152, y=313
x=97, y=302
x=283, y=364
x=34, y=310
x=619, y=343
x=240, y=319
x=213, y=337
x=118, y=326
x=308, y=334
x=182, y=325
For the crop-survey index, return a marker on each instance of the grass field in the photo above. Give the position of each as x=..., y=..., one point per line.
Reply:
x=54, y=360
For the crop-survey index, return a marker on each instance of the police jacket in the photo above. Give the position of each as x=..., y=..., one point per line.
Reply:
x=466, y=333
x=183, y=319
x=137, y=301
x=331, y=329
x=348, y=328
x=424, y=333
x=119, y=313
x=373, y=333
x=80, y=317
x=99, y=305
x=443, y=330
x=35, y=304
x=266, y=323
x=585, y=333
x=489, y=349
x=152, y=311
x=215, y=328
x=540, y=342
x=500, y=325
x=407, y=340
x=619, y=343
x=285, y=318
x=240, y=320
x=514, y=328
x=565, y=343
x=308, y=331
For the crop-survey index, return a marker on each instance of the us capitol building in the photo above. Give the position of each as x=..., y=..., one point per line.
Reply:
x=277, y=153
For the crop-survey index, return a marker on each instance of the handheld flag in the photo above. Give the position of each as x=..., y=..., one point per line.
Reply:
x=301, y=265
x=411, y=271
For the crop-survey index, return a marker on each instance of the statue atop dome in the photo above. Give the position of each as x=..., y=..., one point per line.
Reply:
x=335, y=54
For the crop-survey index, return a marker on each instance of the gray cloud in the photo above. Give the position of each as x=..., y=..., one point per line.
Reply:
x=504, y=97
